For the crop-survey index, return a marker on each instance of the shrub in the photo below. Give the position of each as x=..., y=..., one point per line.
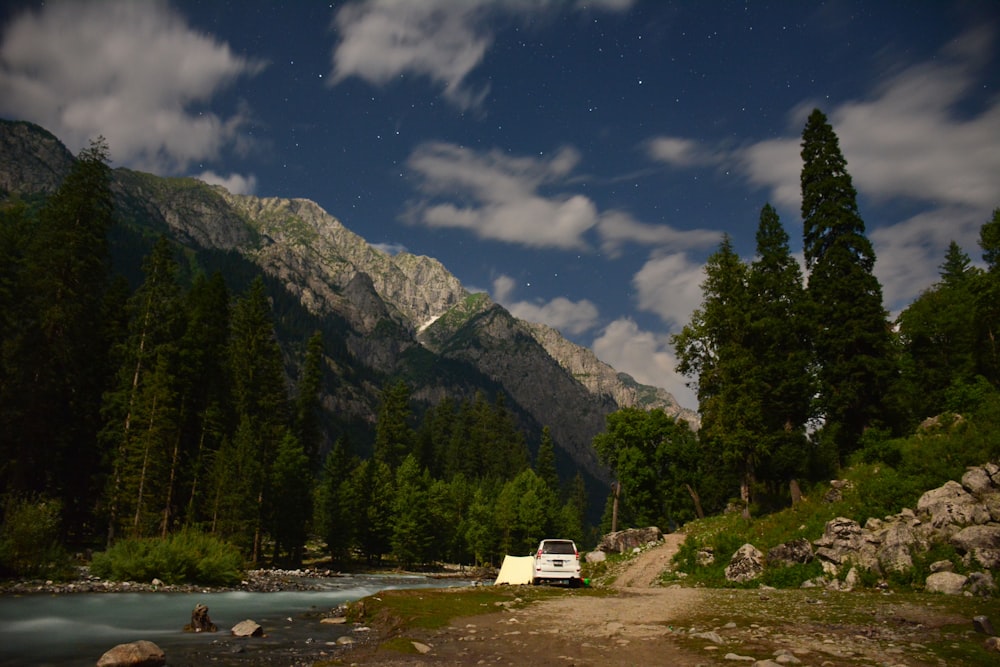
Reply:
x=29, y=540
x=185, y=557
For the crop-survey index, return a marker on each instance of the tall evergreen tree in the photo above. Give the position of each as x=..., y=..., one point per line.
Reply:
x=412, y=531
x=851, y=336
x=336, y=505
x=545, y=462
x=938, y=339
x=778, y=340
x=259, y=395
x=394, y=437
x=53, y=396
x=308, y=410
x=988, y=302
x=291, y=508
x=716, y=348
x=141, y=412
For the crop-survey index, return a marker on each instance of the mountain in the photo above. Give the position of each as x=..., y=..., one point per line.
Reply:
x=383, y=316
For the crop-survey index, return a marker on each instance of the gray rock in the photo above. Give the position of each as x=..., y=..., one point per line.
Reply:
x=141, y=653
x=596, y=556
x=710, y=635
x=746, y=564
x=791, y=553
x=992, y=644
x=981, y=584
x=247, y=628
x=623, y=541
x=738, y=657
x=982, y=542
x=942, y=566
x=952, y=504
x=981, y=480
x=982, y=625
x=948, y=583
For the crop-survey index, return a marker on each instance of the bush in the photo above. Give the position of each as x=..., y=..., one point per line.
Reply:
x=185, y=557
x=29, y=540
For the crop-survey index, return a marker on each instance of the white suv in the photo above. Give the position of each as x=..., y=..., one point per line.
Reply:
x=557, y=560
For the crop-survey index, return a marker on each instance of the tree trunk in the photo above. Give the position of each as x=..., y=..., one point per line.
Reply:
x=796, y=492
x=697, y=502
x=615, y=489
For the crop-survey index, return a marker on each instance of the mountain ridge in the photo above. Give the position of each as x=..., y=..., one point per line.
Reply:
x=402, y=315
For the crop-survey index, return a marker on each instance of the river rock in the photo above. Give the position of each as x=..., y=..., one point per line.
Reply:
x=200, y=622
x=134, y=654
x=597, y=556
x=949, y=583
x=746, y=564
x=247, y=628
x=992, y=644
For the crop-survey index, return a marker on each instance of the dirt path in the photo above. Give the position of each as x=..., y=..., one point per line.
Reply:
x=637, y=622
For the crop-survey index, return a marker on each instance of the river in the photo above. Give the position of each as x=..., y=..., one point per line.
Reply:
x=76, y=629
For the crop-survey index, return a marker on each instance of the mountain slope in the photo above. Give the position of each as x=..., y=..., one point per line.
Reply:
x=397, y=315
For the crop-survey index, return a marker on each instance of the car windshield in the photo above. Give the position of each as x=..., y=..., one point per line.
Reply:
x=561, y=547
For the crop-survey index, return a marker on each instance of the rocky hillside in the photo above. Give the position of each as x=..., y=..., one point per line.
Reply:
x=397, y=315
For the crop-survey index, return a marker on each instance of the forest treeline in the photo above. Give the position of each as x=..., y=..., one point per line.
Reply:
x=140, y=413
x=798, y=377
x=135, y=413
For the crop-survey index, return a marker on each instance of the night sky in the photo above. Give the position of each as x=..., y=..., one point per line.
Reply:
x=576, y=160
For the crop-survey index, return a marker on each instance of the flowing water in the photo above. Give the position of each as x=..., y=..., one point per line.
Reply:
x=77, y=628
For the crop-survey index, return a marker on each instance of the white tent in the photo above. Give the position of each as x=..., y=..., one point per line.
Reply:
x=516, y=570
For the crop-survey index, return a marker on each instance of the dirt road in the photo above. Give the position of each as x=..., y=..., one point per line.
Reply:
x=637, y=622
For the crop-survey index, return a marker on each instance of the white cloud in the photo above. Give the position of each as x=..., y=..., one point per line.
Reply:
x=500, y=198
x=669, y=286
x=911, y=252
x=646, y=356
x=238, y=184
x=680, y=152
x=133, y=72
x=444, y=40
x=568, y=317
x=497, y=196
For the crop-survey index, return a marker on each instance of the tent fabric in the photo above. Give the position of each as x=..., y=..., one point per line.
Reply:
x=516, y=570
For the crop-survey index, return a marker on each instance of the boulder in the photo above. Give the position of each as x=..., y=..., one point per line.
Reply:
x=746, y=564
x=981, y=542
x=843, y=542
x=992, y=644
x=981, y=584
x=951, y=504
x=949, y=583
x=981, y=480
x=200, y=622
x=596, y=556
x=134, y=654
x=247, y=628
x=895, y=541
x=791, y=553
x=623, y=541
x=982, y=625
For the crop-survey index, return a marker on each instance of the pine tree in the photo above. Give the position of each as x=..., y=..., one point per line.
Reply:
x=394, y=437
x=336, y=505
x=308, y=410
x=259, y=395
x=938, y=339
x=61, y=350
x=778, y=340
x=412, y=530
x=545, y=462
x=987, y=290
x=291, y=507
x=850, y=334
x=716, y=348
x=142, y=411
